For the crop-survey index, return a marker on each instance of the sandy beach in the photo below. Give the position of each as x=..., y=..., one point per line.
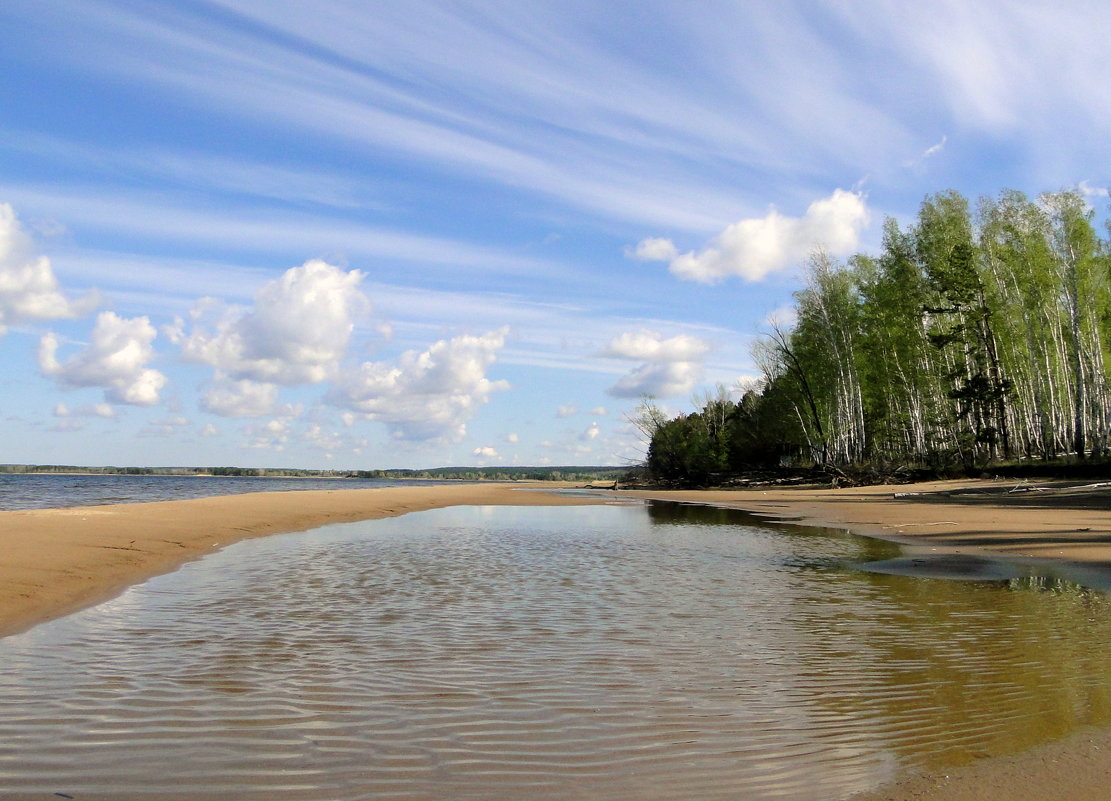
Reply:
x=57, y=561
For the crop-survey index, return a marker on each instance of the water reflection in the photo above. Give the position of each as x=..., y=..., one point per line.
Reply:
x=626, y=652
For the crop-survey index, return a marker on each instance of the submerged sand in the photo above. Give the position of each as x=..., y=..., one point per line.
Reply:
x=59, y=560
x=56, y=561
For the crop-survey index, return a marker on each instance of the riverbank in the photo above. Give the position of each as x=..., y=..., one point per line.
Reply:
x=1056, y=520
x=56, y=561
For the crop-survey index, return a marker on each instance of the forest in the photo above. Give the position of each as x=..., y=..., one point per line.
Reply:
x=975, y=337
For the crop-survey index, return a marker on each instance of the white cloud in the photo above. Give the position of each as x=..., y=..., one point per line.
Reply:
x=1088, y=190
x=209, y=430
x=659, y=380
x=319, y=437
x=165, y=427
x=933, y=150
x=485, y=452
x=669, y=366
x=272, y=435
x=28, y=288
x=782, y=317
x=425, y=395
x=103, y=410
x=243, y=398
x=653, y=249
x=512, y=438
x=115, y=361
x=563, y=412
x=599, y=411
x=754, y=247
x=296, y=333
x=651, y=346
x=591, y=433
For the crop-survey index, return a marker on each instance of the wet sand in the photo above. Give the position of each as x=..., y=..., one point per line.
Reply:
x=1060, y=521
x=57, y=561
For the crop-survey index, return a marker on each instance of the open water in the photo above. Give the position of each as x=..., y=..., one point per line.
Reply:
x=617, y=652
x=51, y=490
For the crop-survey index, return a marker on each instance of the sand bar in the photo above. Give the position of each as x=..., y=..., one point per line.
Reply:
x=57, y=561
x=1061, y=521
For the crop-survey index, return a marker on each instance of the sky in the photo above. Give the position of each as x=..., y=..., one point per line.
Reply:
x=356, y=234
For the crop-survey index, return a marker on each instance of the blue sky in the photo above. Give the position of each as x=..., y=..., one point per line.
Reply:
x=349, y=234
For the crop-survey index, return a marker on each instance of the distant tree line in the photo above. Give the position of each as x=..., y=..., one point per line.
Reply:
x=264, y=472
x=972, y=338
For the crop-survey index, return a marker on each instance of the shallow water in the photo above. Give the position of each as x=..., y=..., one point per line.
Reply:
x=618, y=652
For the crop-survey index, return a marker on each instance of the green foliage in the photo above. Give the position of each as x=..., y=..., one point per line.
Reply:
x=967, y=339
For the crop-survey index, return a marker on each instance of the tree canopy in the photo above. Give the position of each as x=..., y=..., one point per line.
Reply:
x=973, y=336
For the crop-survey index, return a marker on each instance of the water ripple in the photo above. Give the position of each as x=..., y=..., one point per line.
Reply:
x=620, y=653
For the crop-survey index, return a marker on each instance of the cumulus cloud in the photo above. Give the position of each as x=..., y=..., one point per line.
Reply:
x=658, y=380
x=296, y=332
x=103, y=410
x=29, y=289
x=599, y=411
x=243, y=398
x=653, y=248
x=425, y=395
x=114, y=361
x=486, y=452
x=512, y=438
x=754, y=247
x=319, y=437
x=591, y=433
x=652, y=347
x=563, y=412
x=669, y=367
x=272, y=435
